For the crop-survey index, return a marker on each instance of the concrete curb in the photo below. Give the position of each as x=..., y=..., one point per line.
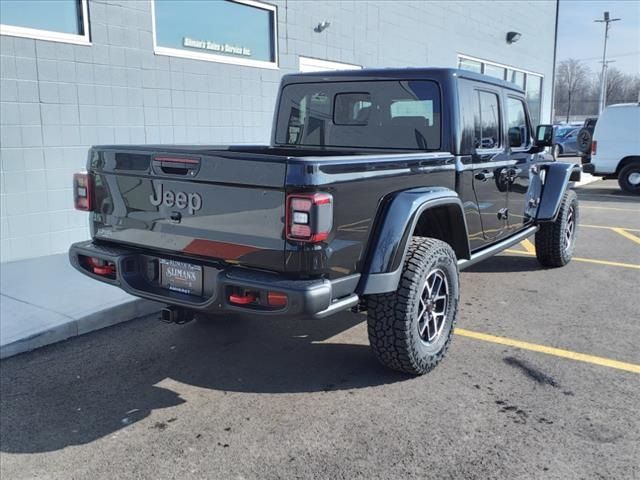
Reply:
x=70, y=328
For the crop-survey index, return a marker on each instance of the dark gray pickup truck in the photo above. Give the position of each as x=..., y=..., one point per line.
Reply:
x=377, y=188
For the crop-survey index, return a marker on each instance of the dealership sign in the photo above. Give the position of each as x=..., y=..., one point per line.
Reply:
x=216, y=47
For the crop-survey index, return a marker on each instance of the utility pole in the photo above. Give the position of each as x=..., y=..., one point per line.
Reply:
x=606, y=19
x=604, y=92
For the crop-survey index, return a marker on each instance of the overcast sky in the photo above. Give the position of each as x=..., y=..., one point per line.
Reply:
x=581, y=38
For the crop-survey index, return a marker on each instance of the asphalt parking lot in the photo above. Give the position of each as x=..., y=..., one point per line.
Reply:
x=541, y=381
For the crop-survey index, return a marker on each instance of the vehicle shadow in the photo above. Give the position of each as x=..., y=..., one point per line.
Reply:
x=94, y=386
x=505, y=264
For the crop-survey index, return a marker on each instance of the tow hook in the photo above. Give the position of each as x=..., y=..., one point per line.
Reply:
x=178, y=315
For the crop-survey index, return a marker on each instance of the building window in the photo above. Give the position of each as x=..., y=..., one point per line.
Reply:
x=307, y=64
x=53, y=20
x=468, y=64
x=494, y=71
x=530, y=82
x=517, y=77
x=242, y=32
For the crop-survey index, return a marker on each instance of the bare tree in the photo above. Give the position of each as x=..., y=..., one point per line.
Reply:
x=615, y=91
x=621, y=87
x=632, y=89
x=572, y=75
x=578, y=90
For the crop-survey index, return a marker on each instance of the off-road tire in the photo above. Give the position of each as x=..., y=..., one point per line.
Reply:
x=624, y=178
x=392, y=318
x=552, y=249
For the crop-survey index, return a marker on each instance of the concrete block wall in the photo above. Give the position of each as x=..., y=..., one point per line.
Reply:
x=58, y=99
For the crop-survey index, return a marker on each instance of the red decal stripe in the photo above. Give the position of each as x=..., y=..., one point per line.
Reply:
x=210, y=248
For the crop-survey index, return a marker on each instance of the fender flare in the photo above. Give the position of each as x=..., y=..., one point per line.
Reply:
x=393, y=230
x=557, y=178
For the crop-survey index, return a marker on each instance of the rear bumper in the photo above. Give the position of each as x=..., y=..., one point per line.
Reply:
x=590, y=168
x=136, y=272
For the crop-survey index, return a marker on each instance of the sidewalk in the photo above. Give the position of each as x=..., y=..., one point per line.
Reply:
x=586, y=177
x=44, y=300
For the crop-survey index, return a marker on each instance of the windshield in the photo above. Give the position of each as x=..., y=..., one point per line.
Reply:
x=564, y=131
x=372, y=114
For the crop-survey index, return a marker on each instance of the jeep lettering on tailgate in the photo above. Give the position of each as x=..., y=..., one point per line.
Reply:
x=190, y=201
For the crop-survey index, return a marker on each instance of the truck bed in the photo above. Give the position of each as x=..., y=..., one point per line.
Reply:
x=227, y=203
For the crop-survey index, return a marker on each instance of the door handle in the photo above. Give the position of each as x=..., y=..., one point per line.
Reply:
x=484, y=175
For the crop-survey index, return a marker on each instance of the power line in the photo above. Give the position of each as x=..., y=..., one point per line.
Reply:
x=628, y=54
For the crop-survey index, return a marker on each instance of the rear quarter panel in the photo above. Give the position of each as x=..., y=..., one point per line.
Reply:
x=360, y=186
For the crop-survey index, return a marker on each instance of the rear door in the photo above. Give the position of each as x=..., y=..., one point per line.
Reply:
x=518, y=170
x=489, y=161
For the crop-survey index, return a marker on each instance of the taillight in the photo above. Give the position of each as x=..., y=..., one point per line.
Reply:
x=104, y=268
x=309, y=217
x=277, y=299
x=594, y=147
x=83, y=191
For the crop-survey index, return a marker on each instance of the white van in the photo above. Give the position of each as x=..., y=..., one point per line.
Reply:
x=615, y=150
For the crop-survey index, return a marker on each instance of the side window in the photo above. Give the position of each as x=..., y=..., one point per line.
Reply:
x=517, y=123
x=486, y=120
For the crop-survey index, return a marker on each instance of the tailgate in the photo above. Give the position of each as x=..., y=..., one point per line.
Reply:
x=208, y=203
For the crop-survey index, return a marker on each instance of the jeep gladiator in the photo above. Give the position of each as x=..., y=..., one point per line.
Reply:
x=378, y=187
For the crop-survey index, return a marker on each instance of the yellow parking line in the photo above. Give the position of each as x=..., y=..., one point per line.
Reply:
x=586, y=260
x=626, y=234
x=608, y=228
x=528, y=246
x=558, y=352
x=611, y=208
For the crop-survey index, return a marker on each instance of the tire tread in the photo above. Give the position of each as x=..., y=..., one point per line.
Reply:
x=389, y=315
x=549, y=239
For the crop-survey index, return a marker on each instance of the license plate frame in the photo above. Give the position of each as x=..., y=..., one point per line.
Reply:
x=181, y=277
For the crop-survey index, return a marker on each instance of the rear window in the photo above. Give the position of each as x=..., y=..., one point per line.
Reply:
x=377, y=114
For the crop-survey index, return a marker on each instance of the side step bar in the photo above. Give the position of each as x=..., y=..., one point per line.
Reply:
x=496, y=248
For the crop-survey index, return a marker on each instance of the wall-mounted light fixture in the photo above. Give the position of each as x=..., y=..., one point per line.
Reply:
x=322, y=26
x=513, y=37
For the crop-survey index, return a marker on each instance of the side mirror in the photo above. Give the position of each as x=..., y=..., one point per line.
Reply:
x=544, y=136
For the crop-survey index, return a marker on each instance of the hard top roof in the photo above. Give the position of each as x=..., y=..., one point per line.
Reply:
x=405, y=73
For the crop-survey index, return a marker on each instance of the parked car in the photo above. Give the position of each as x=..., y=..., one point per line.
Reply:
x=560, y=130
x=615, y=150
x=565, y=142
x=377, y=188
